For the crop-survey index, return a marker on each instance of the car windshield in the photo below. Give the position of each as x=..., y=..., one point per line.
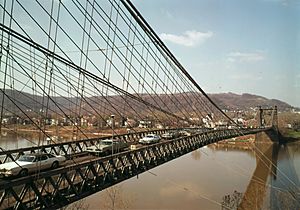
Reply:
x=106, y=143
x=150, y=136
x=26, y=158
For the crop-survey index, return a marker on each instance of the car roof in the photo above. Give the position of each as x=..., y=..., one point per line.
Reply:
x=109, y=140
x=35, y=154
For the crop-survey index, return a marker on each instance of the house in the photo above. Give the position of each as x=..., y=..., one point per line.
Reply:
x=145, y=124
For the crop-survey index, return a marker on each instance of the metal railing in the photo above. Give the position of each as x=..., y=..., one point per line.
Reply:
x=62, y=186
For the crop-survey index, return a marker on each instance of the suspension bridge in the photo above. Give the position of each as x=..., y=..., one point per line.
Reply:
x=67, y=67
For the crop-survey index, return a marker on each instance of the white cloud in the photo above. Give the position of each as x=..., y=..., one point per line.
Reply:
x=245, y=57
x=230, y=59
x=188, y=39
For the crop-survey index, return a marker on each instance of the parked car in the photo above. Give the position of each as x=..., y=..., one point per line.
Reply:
x=150, y=139
x=30, y=163
x=107, y=146
x=170, y=135
x=185, y=133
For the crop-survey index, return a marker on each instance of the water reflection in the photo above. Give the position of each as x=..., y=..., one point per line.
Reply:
x=11, y=140
x=196, y=155
x=228, y=147
x=116, y=199
x=285, y=191
x=274, y=179
x=257, y=188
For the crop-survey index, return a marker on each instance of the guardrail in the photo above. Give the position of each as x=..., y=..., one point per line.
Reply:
x=71, y=147
x=62, y=186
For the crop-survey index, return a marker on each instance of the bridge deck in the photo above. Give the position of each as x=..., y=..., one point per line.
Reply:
x=62, y=186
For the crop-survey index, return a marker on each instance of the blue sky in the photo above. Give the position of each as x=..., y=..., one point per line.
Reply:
x=241, y=46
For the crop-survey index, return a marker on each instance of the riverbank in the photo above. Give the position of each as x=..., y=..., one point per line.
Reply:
x=292, y=134
x=60, y=133
x=289, y=135
x=242, y=143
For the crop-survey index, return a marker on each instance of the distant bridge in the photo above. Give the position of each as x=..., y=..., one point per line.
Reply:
x=79, y=67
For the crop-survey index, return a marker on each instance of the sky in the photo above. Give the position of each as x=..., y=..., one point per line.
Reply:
x=240, y=46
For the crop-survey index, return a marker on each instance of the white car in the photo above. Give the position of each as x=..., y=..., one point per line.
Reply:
x=150, y=139
x=30, y=163
x=185, y=133
x=170, y=135
x=107, y=146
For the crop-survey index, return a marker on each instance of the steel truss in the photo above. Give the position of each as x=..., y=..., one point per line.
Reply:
x=70, y=148
x=62, y=186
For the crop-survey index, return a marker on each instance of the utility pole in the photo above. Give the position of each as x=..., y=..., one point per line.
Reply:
x=112, y=127
x=260, y=120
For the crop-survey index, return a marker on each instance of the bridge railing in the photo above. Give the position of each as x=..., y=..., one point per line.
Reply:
x=77, y=146
x=59, y=187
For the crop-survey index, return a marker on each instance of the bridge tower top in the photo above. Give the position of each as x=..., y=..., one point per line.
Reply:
x=268, y=118
x=272, y=113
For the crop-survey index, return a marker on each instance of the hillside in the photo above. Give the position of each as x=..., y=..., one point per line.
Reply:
x=245, y=101
x=228, y=101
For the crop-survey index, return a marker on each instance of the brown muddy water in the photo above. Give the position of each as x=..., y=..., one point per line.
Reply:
x=265, y=176
x=213, y=177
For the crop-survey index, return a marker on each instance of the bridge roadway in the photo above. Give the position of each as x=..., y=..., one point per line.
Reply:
x=86, y=175
x=69, y=148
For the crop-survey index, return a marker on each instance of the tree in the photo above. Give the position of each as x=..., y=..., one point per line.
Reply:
x=115, y=199
x=232, y=201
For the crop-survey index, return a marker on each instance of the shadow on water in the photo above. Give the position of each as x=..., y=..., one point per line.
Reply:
x=275, y=181
x=285, y=191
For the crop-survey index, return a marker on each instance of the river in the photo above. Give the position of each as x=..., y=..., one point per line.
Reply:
x=219, y=176
x=214, y=177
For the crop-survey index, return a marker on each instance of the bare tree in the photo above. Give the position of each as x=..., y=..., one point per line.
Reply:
x=114, y=198
x=232, y=201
